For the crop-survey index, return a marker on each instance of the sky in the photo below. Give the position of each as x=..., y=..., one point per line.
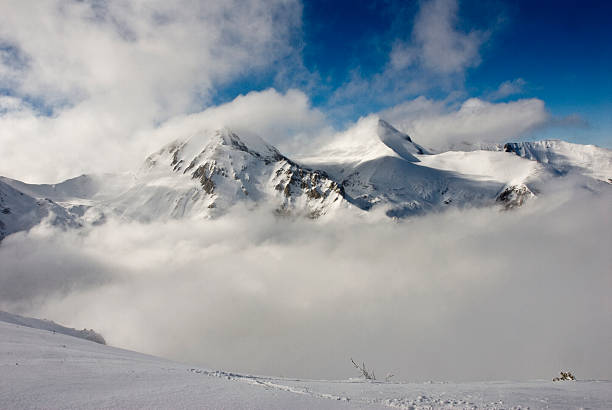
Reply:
x=558, y=51
x=77, y=74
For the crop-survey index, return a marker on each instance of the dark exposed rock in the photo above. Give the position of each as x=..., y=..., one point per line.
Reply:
x=177, y=167
x=207, y=184
x=313, y=194
x=564, y=376
x=314, y=214
x=514, y=196
x=206, y=181
x=191, y=165
x=175, y=158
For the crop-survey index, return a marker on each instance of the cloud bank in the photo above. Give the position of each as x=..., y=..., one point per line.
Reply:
x=442, y=125
x=464, y=295
x=286, y=120
x=85, y=73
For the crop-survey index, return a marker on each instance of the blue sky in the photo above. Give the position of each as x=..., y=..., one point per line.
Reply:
x=562, y=50
x=557, y=51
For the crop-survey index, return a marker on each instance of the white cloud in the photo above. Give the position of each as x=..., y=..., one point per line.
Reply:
x=433, y=298
x=287, y=120
x=109, y=69
x=440, y=126
x=435, y=57
x=508, y=88
x=440, y=46
x=10, y=104
x=79, y=50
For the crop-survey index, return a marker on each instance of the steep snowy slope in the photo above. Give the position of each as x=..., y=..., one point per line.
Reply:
x=41, y=369
x=378, y=165
x=208, y=173
x=369, y=139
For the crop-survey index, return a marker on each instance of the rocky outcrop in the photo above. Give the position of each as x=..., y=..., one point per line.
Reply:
x=514, y=196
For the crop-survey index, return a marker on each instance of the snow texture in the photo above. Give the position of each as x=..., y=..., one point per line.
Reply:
x=42, y=369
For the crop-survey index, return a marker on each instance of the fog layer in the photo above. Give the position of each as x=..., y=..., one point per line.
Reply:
x=464, y=295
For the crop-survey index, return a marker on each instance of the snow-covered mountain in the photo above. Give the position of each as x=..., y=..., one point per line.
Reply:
x=208, y=173
x=20, y=211
x=370, y=165
x=379, y=166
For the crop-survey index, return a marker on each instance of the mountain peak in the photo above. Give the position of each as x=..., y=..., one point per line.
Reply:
x=248, y=143
x=398, y=141
x=210, y=171
x=211, y=144
x=370, y=138
x=385, y=128
x=226, y=137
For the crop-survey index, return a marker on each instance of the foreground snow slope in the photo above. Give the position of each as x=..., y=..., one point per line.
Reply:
x=41, y=369
x=45, y=370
